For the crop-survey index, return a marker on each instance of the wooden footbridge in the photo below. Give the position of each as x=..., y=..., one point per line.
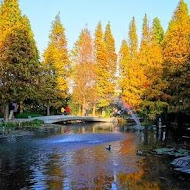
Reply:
x=64, y=118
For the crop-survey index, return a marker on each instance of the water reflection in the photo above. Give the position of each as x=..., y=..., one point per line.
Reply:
x=53, y=168
x=74, y=157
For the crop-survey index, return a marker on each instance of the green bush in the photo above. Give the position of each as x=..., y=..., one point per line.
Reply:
x=22, y=125
x=146, y=123
x=27, y=115
x=9, y=125
x=34, y=123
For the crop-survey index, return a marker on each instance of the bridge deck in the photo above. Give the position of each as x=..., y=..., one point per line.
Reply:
x=62, y=118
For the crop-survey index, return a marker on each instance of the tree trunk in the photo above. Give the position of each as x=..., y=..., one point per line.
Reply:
x=48, y=110
x=21, y=107
x=79, y=112
x=103, y=113
x=6, y=112
x=94, y=110
x=83, y=107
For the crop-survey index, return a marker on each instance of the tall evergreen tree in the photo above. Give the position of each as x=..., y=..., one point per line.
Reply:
x=104, y=87
x=19, y=59
x=133, y=38
x=56, y=60
x=176, y=57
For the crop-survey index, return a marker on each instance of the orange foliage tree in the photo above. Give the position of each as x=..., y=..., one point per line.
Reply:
x=151, y=61
x=104, y=86
x=112, y=56
x=84, y=77
x=131, y=73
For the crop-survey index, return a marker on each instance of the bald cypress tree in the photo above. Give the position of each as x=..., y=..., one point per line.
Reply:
x=56, y=60
x=124, y=59
x=103, y=85
x=133, y=38
x=176, y=58
x=146, y=35
x=84, y=92
x=151, y=61
x=131, y=74
x=112, y=56
x=131, y=77
x=128, y=77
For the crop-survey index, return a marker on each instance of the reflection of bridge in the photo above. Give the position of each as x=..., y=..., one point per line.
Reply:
x=64, y=118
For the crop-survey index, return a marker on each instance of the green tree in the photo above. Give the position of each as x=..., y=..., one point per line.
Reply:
x=19, y=60
x=157, y=30
x=56, y=60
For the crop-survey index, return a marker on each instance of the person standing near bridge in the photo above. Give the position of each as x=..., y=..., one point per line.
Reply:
x=11, y=110
x=67, y=110
x=63, y=110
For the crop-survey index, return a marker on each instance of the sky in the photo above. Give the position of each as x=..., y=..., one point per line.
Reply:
x=76, y=14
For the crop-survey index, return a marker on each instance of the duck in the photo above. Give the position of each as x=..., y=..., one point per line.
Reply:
x=108, y=148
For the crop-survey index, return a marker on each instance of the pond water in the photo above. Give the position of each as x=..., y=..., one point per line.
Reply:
x=75, y=157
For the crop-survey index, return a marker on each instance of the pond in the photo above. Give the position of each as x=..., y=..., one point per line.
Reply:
x=75, y=157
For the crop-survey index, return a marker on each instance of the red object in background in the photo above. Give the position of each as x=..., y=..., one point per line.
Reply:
x=68, y=110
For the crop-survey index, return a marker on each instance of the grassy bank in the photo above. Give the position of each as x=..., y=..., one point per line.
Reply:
x=29, y=125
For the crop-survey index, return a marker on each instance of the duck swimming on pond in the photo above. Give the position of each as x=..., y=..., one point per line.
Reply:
x=108, y=148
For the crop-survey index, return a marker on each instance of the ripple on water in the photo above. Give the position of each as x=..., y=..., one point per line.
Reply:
x=69, y=142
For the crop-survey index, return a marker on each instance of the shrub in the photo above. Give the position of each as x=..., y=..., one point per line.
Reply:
x=27, y=115
x=22, y=125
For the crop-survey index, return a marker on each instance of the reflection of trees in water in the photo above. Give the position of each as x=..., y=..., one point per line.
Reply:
x=91, y=127
x=15, y=161
x=90, y=168
x=136, y=181
x=54, y=172
x=149, y=137
x=97, y=127
x=103, y=181
x=129, y=145
x=149, y=141
x=139, y=180
x=96, y=175
x=27, y=165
